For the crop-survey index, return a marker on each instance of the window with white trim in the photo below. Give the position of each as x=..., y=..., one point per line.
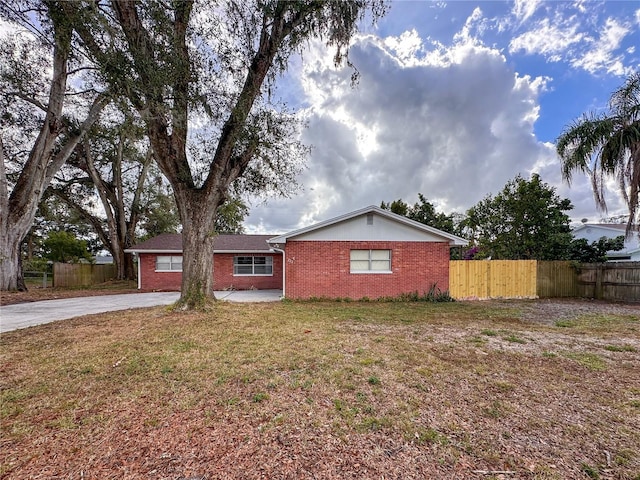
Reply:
x=255, y=266
x=370, y=261
x=168, y=263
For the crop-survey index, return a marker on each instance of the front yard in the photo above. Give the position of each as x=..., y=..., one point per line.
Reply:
x=518, y=389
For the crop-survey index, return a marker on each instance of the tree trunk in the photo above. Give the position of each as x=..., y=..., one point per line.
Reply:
x=125, y=267
x=130, y=271
x=118, y=260
x=198, y=235
x=10, y=267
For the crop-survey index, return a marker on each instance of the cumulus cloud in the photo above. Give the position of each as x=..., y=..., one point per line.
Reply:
x=453, y=121
x=453, y=124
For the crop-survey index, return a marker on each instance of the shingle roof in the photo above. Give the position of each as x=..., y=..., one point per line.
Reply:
x=172, y=242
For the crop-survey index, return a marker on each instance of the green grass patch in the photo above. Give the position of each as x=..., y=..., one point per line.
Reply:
x=512, y=338
x=428, y=436
x=590, y=360
x=601, y=323
x=620, y=348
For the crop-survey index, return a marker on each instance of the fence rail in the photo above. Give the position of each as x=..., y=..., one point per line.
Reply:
x=618, y=281
x=81, y=274
x=37, y=279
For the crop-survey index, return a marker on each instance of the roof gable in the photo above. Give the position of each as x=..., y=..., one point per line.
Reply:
x=172, y=243
x=370, y=224
x=611, y=228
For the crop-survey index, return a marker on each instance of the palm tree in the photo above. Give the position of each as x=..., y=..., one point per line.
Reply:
x=608, y=145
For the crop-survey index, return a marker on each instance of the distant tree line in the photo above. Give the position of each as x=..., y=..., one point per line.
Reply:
x=526, y=220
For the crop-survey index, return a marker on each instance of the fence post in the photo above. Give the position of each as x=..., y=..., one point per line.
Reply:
x=598, y=290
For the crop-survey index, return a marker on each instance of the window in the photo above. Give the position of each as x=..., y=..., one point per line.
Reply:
x=253, y=265
x=365, y=261
x=167, y=263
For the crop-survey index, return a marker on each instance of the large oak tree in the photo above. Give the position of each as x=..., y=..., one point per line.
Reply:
x=39, y=134
x=211, y=64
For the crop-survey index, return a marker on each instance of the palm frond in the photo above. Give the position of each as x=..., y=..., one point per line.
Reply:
x=580, y=142
x=626, y=100
x=606, y=146
x=634, y=194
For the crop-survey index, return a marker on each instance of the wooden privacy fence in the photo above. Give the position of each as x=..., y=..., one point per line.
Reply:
x=557, y=279
x=531, y=279
x=81, y=274
x=610, y=281
x=492, y=279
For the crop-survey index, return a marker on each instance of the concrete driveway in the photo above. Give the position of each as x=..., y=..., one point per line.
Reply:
x=21, y=315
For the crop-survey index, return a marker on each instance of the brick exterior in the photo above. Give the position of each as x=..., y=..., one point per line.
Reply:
x=223, y=278
x=322, y=269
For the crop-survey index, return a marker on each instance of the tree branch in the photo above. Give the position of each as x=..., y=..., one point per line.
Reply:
x=63, y=155
x=269, y=44
x=30, y=99
x=95, y=222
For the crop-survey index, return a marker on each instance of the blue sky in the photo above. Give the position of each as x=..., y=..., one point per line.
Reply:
x=454, y=99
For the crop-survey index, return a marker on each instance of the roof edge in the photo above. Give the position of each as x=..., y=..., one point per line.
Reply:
x=454, y=240
x=157, y=250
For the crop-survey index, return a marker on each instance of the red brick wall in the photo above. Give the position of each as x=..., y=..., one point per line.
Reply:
x=322, y=269
x=223, y=274
x=152, y=280
x=222, y=278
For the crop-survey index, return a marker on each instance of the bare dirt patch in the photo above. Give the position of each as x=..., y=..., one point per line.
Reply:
x=326, y=390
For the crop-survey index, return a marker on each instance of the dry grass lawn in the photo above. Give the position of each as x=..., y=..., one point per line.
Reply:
x=522, y=390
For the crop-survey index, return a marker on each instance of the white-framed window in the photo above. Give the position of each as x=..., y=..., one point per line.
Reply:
x=370, y=261
x=255, y=266
x=168, y=263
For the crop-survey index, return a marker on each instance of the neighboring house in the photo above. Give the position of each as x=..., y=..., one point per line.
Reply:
x=367, y=253
x=104, y=259
x=240, y=262
x=593, y=232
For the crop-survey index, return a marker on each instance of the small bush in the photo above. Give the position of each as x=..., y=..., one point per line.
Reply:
x=591, y=472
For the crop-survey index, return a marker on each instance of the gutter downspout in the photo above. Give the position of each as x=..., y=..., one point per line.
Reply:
x=139, y=272
x=284, y=270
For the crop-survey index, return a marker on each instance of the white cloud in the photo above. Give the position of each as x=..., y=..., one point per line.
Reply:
x=454, y=121
x=549, y=39
x=406, y=47
x=475, y=20
x=580, y=35
x=601, y=55
x=524, y=9
x=453, y=129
